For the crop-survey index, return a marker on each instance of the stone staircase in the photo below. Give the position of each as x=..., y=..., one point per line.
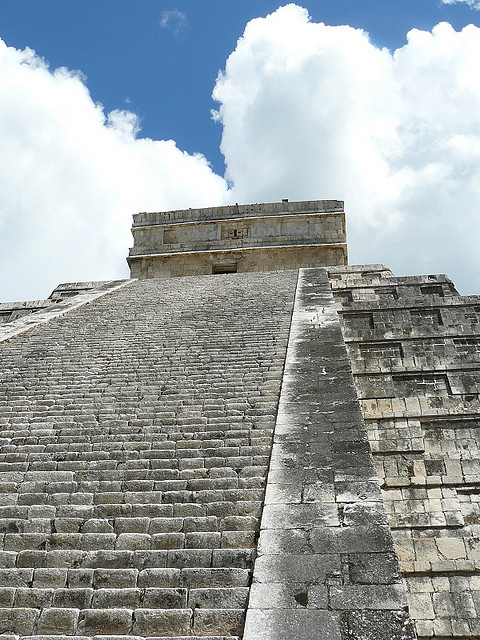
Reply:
x=135, y=436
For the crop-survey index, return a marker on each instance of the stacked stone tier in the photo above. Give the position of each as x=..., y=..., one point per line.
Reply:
x=414, y=346
x=135, y=437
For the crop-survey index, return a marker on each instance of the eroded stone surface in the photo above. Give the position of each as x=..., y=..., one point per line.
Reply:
x=325, y=565
x=238, y=238
x=135, y=435
x=414, y=346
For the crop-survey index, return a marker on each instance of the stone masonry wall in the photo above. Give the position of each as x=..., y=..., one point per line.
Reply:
x=237, y=211
x=414, y=346
x=260, y=237
x=135, y=434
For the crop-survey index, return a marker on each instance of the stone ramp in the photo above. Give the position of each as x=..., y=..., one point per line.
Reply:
x=326, y=567
x=135, y=436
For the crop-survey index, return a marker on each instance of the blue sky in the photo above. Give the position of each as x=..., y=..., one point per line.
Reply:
x=153, y=66
x=165, y=74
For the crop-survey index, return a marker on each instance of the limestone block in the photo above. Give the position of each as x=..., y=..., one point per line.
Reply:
x=159, y=578
x=34, y=598
x=115, y=578
x=20, y=621
x=167, y=541
x=53, y=578
x=216, y=577
x=158, y=622
x=133, y=541
x=15, y=577
x=284, y=624
x=7, y=596
x=218, y=598
x=73, y=598
x=421, y=606
x=444, y=605
x=105, y=622
x=165, y=525
x=116, y=598
x=228, y=622
x=378, y=625
x=58, y=621
x=162, y=598
x=278, y=595
x=451, y=548
x=78, y=578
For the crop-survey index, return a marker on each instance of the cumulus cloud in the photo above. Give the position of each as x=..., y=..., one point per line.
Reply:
x=308, y=111
x=71, y=177
x=314, y=111
x=474, y=4
x=173, y=19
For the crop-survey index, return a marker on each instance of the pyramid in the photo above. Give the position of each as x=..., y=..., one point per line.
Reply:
x=249, y=438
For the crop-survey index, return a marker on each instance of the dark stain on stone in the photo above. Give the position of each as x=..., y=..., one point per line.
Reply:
x=302, y=598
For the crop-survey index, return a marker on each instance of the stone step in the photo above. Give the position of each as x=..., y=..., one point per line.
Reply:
x=89, y=451
x=14, y=563
x=107, y=463
x=41, y=431
x=85, y=451
x=115, y=637
x=69, y=495
x=117, y=472
x=247, y=519
x=229, y=481
x=11, y=479
x=71, y=507
x=129, y=598
x=126, y=541
x=119, y=621
x=146, y=494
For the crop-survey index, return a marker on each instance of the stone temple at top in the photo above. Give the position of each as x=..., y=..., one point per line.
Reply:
x=249, y=438
x=238, y=238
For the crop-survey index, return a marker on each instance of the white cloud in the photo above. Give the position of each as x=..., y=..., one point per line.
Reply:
x=474, y=4
x=71, y=177
x=308, y=111
x=313, y=111
x=173, y=19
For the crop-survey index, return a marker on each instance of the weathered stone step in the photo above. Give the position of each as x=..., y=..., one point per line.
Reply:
x=72, y=508
x=173, y=461
x=129, y=598
x=66, y=493
x=14, y=563
x=109, y=446
x=117, y=472
x=244, y=519
x=119, y=621
x=80, y=505
x=112, y=486
x=104, y=449
x=128, y=541
x=11, y=479
x=115, y=637
x=243, y=489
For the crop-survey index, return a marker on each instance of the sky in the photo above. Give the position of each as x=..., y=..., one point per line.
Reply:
x=120, y=106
